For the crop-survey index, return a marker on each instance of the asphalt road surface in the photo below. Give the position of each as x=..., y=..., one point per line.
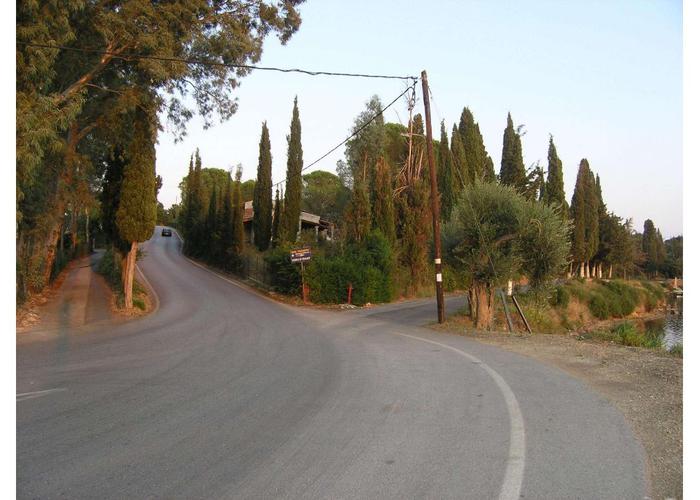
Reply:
x=222, y=393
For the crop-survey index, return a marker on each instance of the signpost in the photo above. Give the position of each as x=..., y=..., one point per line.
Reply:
x=301, y=255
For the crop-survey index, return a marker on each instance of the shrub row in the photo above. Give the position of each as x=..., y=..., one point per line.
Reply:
x=367, y=266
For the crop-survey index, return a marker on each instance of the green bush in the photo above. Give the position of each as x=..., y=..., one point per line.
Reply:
x=367, y=266
x=626, y=297
x=599, y=306
x=285, y=276
x=560, y=297
x=110, y=266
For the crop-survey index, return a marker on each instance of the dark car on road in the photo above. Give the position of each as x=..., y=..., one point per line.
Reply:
x=166, y=232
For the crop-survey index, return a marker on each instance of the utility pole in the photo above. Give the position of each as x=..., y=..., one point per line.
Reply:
x=435, y=201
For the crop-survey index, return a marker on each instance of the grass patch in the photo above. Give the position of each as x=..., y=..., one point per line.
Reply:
x=676, y=351
x=628, y=334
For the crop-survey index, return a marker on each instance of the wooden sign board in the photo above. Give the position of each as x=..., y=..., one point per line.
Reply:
x=300, y=255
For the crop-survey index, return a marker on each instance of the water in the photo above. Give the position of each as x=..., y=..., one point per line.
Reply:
x=671, y=325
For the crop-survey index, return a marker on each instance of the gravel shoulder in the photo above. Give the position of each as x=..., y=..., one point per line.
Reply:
x=646, y=385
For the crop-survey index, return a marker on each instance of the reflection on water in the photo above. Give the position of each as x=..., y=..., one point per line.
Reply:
x=671, y=325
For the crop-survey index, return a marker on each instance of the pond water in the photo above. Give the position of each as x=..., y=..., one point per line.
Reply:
x=671, y=325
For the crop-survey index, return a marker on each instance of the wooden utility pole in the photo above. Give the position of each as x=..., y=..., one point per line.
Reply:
x=435, y=201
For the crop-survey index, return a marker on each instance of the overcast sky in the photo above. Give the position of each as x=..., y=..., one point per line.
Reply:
x=604, y=78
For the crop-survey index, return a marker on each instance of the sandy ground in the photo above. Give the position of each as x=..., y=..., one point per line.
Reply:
x=646, y=385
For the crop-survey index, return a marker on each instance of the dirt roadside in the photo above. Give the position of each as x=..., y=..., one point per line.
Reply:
x=645, y=384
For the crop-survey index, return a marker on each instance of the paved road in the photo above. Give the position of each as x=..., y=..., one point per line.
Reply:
x=223, y=393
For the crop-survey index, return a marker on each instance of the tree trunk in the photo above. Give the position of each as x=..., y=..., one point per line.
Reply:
x=482, y=307
x=87, y=231
x=582, y=270
x=610, y=271
x=129, y=275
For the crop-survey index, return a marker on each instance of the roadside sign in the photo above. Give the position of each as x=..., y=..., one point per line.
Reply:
x=300, y=255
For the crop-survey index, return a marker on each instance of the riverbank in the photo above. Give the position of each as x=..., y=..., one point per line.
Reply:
x=646, y=385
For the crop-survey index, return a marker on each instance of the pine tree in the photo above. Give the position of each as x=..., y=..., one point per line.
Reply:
x=459, y=161
x=277, y=215
x=136, y=215
x=512, y=166
x=262, y=196
x=289, y=224
x=446, y=181
x=383, y=207
x=554, y=187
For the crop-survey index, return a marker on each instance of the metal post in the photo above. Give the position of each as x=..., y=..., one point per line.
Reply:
x=435, y=201
x=505, y=309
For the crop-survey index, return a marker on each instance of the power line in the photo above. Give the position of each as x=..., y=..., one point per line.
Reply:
x=362, y=127
x=117, y=55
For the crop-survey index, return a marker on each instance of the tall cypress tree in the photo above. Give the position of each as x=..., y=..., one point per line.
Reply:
x=489, y=171
x=210, y=236
x=237, y=214
x=195, y=206
x=276, y=216
x=578, y=214
x=136, y=215
x=358, y=214
x=446, y=181
x=289, y=223
x=459, y=161
x=383, y=207
x=472, y=149
x=512, y=166
x=226, y=224
x=262, y=195
x=554, y=187
x=592, y=218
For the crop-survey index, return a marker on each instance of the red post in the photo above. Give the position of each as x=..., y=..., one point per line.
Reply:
x=349, y=293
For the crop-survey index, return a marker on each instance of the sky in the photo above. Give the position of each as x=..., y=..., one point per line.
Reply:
x=604, y=78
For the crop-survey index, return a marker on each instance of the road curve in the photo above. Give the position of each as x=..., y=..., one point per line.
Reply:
x=223, y=393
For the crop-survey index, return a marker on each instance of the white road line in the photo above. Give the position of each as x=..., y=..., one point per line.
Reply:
x=513, y=478
x=23, y=396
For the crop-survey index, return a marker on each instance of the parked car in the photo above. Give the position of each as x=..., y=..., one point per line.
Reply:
x=166, y=232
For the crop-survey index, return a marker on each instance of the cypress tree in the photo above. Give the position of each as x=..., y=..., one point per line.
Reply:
x=277, y=215
x=592, y=218
x=470, y=141
x=512, y=166
x=489, y=171
x=262, y=195
x=289, y=223
x=226, y=222
x=384, y=203
x=554, y=187
x=459, y=161
x=578, y=214
x=237, y=215
x=446, y=181
x=195, y=202
x=136, y=215
x=358, y=216
x=211, y=238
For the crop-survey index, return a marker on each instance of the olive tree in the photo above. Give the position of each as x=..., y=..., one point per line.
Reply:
x=494, y=235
